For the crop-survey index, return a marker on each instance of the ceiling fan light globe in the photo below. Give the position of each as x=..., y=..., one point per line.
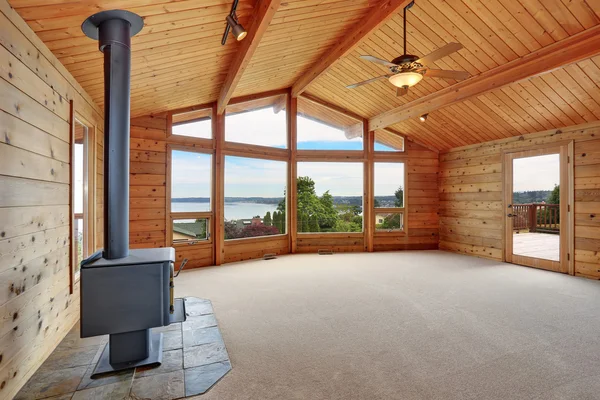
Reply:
x=405, y=79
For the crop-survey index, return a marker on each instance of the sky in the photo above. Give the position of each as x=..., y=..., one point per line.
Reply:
x=536, y=173
x=265, y=178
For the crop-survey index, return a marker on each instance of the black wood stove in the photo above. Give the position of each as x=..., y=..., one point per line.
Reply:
x=123, y=293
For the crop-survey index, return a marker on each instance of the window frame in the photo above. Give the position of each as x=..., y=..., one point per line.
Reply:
x=172, y=216
x=89, y=194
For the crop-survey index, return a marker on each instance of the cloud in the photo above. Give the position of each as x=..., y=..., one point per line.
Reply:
x=388, y=177
x=341, y=179
x=199, y=129
x=536, y=173
x=191, y=174
x=249, y=177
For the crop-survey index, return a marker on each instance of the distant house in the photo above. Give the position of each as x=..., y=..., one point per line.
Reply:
x=241, y=223
x=183, y=231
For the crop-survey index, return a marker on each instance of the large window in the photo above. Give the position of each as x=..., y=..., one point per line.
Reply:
x=330, y=196
x=261, y=122
x=83, y=193
x=196, y=124
x=191, y=196
x=255, y=192
x=321, y=128
x=389, y=196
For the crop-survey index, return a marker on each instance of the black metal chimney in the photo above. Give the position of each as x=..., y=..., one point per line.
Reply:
x=114, y=30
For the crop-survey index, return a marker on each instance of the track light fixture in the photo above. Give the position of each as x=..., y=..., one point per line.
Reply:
x=233, y=24
x=423, y=117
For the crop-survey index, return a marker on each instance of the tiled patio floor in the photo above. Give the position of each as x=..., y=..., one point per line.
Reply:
x=194, y=359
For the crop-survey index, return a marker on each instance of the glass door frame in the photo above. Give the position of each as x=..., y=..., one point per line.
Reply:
x=565, y=264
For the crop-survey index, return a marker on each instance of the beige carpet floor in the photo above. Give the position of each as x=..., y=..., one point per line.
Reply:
x=401, y=325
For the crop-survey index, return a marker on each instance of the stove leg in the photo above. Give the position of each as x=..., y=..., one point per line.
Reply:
x=129, y=346
x=129, y=350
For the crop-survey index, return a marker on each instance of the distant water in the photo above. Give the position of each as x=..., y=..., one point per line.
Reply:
x=232, y=210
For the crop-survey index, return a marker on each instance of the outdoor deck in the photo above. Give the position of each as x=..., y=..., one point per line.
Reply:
x=538, y=245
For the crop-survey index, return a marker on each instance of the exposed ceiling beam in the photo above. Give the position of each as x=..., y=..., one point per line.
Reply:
x=567, y=51
x=373, y=21
x=263, y=15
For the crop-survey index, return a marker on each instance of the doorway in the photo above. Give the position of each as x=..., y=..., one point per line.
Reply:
x=537, y=198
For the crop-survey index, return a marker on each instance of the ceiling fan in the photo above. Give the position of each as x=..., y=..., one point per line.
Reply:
x=407, y=70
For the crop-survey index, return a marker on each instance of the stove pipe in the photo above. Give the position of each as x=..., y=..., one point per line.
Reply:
x=114, y=30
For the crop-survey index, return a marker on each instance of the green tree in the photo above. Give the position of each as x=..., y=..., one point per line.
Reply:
x=399, y=201
x=267, y=219
x=313, y=224
x=328, y=212
x=554, y=196
x=376, y=203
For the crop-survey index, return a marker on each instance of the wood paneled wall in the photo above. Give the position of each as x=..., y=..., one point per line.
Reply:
x=471, y=207
x=36, y=309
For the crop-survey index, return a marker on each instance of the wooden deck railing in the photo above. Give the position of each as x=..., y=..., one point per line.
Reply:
x=536, y=217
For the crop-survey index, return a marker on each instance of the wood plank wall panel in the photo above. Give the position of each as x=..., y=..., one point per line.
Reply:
x=471, y=195
x=36, y=309
x=248, y=249
x=147, y=182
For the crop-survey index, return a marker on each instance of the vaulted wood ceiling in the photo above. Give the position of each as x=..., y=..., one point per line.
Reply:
x=178, y=59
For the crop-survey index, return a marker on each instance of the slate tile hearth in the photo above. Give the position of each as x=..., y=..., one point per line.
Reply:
x=194, y=359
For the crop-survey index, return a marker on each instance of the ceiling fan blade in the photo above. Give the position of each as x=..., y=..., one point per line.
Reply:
x=367, y=81
x=439, y=53
x=401, y=91
x=378, y=61
x=447, y=74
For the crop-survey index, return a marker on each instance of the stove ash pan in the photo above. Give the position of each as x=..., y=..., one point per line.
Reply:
x=128, y=294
